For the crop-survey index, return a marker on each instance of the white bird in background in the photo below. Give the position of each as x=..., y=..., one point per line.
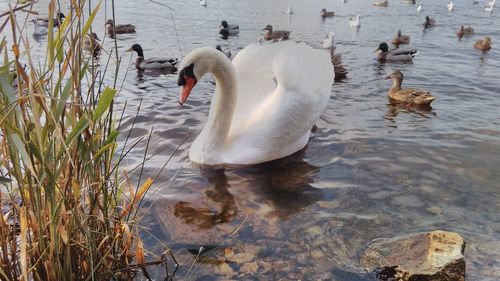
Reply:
x=420, y=7
x=354, y=22
x=491, y=5
x=329, y=42
x=203, y=3
x=289, y=11
x=451, y=6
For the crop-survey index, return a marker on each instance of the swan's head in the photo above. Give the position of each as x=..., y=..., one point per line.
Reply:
x=194, y=66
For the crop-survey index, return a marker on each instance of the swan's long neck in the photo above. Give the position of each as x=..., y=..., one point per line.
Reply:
x=223, y=103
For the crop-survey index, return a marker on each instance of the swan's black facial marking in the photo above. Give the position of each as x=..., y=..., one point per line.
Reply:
x=187, y=71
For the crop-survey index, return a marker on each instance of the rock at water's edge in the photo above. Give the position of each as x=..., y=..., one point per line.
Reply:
x=428, y=256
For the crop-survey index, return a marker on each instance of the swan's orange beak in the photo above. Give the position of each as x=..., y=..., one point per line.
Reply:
x=186, y=89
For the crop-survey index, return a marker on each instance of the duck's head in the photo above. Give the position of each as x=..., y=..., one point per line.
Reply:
x=224, y=24
x=323, y=10
x=60, y=16
x=95, y=37
x=136, y=48
x=487, y=39
x=383, y=47
x=194, y=66
x=268, y=28
x=399, y=33
x=109, y=23
x=396, y=75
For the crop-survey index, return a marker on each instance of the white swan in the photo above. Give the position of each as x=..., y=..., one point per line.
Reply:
x=265, y=103
x=354, y=22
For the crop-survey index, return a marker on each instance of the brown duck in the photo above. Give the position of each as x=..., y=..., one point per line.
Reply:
x=111, y=28
x=410, y=96
x=401, y=39
x=465, y=31
x=483, y=44
x=271, y=34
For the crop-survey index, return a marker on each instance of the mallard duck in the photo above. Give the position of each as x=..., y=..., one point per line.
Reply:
x=451, y=5
x=90, y=43
x=325, y=14
x=39, y=29
x=227, y=30
x=271, y=34
x=45, y=21
x=465, y=31
x=401, y=39
x=411, y=96
x=226, y=51
x=429, y=22
x=355, y=22
x=395, y=55
x=381, y=3
x=483, y=44
x=152, y=63
x=113, y=28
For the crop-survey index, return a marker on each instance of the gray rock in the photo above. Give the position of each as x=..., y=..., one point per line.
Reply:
x=428, y=256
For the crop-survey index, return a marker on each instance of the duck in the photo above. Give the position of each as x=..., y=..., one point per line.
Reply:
x=113, y=28
x=271, y=34
x=475, y=2
x=90, y=44
x=410, y=96
x=451, y=5
x=465, y=31
x=483, y=44
x=336, y=59
x=289, y=11
x=355, y=22
x=226, y=51
x=401, y=39
x=266, y=101
x=167, y=64
x=325, y=14
x=420, y=7
x=429, y=22
x=395, y=55
x=410, y=1
x=381, y=3
x=227, y=30
x=203, y=3
x=39, y=29
x=44, y=22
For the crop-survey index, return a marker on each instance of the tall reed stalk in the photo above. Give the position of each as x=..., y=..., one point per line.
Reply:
x=67, y=214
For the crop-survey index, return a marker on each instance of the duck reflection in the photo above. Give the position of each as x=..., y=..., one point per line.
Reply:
x=393, y=110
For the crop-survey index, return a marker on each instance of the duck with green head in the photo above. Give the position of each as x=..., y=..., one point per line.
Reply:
x=395, y=55
x=167, y=64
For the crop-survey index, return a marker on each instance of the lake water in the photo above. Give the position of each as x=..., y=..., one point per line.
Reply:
x=371, y=169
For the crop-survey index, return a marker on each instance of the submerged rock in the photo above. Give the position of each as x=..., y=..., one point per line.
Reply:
x=428, y=256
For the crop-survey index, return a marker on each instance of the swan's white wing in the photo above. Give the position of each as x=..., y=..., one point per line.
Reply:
x=273, y=119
